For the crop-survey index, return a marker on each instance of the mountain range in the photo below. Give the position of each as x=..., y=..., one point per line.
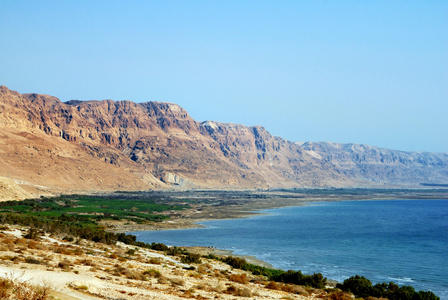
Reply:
x=49, y=145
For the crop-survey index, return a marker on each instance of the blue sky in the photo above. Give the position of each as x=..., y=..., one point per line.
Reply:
x=372, y=72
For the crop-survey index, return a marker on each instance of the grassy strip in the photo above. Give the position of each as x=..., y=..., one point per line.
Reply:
x=96, y=207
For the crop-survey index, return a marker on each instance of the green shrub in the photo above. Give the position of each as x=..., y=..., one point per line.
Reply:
x=191, y=258
x=316, y=280
x=362, y=287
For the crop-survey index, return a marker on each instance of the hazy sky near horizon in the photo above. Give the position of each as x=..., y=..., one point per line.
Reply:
x=371, y=72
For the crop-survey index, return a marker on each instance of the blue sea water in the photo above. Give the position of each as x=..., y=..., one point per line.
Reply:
x=404, y=241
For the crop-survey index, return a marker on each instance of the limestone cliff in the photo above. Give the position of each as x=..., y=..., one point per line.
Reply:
x=122, y=145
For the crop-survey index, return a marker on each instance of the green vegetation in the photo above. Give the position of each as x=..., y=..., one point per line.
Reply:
x=78, y=216
x=294, y=277
x=95, y=207
x=362, y=287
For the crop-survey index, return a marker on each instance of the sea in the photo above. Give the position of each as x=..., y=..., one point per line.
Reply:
x=403, y=241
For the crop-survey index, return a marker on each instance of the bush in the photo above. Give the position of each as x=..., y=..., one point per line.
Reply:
x=191, y=258
x=31, y=260
x=177, y=282
x=153, y=273
x=64, y=265
x=239, y=278
x=33, y=234
x=358, y=285
x=175, y=251
x=159, y=247
x=338, y=295
x=235, y=262
x=273, y=285
x=296, y=277
x=362, y=287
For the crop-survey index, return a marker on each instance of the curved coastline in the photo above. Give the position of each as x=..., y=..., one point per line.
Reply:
x=250, y=214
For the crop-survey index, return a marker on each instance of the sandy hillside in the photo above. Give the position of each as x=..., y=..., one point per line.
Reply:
x=10, y=190
x=87, y=270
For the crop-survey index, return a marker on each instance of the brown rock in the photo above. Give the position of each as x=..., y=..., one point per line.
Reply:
x=122, y=145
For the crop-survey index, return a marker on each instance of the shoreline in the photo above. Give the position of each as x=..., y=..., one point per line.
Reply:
x=242, y=213
x=191, y=222
x=236, y=209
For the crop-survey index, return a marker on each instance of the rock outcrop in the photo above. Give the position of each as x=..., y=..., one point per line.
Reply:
x=122, y=145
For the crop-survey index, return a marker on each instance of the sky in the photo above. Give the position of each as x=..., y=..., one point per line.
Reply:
x=365, y=72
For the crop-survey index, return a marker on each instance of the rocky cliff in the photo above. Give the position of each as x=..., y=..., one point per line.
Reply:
x=122, y=145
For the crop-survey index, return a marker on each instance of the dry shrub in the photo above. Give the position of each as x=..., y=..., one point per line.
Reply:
x=195, y=275
x=300, y=290
x=32, y=244
x=94, y=269
x=16, y=259
x=218, y=274
x=80, y=287
x=155, y=260
x=133, y=274
x=153, y=273
x=202, y=286
x=339, y=295
x=162, y=280
x=87, y=262
x=273, y=285
x=32, y=260
x=11, y=288
x=242, y=292
x=258, y=280
x=63, y=250
x=240, y=278
x=177, y=281
x=64, y=265
x=202, y=269
x=21, y=241
x=77, y=251
x=178, y=272
x=231, y=289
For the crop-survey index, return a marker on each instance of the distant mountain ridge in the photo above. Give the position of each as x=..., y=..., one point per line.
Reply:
x=122, y=145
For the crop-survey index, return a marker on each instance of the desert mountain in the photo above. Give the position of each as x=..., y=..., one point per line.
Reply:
x=122, y=145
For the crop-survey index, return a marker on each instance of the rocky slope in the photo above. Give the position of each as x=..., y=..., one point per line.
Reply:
x=121, y=145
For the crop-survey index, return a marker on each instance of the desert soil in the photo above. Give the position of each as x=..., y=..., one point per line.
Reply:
x=87, y=270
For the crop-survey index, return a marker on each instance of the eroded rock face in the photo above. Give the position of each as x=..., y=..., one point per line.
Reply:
x=112, y=145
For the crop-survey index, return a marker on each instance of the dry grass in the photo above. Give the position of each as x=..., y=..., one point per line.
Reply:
x=12, y=289
x=137, y=269
x=339, y=295
x=273, y=285
x=240, y=278
x=242, y=292
x=153, y=273
x=155, y=261
x=177, y=282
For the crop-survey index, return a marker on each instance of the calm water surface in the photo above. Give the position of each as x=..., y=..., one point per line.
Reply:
x=404, y=241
